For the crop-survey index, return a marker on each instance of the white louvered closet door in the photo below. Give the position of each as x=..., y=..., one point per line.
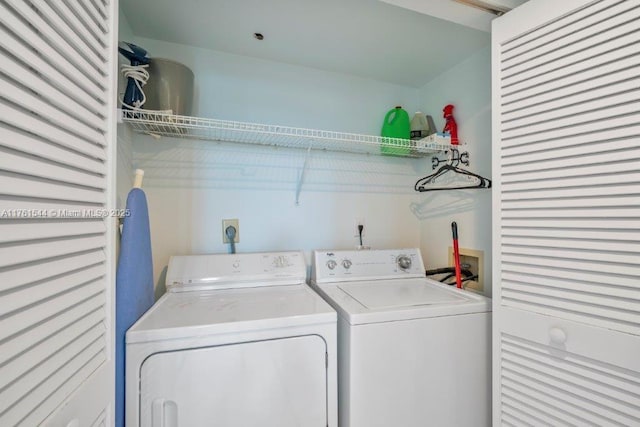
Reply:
x=566, y=129
x=57, y=75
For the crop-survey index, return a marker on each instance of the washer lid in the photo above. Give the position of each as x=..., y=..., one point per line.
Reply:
x=228, y=311
x=375, y=301
x=399, y=293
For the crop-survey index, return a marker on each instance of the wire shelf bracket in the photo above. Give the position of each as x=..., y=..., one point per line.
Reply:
x=301, y=175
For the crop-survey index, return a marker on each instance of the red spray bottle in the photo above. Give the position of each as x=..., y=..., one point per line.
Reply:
x=450, y=124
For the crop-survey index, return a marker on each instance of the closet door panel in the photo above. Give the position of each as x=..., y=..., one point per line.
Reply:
x=566, y=130
x=596, y=170
x=591, y=377
x=57, y=227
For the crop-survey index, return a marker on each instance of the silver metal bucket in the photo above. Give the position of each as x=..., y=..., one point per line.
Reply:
x=170, y=87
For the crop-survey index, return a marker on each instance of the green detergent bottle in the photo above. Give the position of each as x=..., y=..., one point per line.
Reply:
x=396, y=125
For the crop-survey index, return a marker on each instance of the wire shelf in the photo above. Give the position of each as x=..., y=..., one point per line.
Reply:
x=163, y=124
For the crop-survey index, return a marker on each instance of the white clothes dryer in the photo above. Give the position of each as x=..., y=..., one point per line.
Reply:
x=238, y=340
x=412, y=352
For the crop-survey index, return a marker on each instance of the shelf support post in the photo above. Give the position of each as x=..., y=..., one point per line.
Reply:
x=301, y=175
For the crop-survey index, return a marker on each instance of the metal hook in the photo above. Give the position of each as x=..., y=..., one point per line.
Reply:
x=454, y=158
x=464, y=158
x=435, y=162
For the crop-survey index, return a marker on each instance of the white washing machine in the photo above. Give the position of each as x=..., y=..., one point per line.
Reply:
x=412, y=352
x=237, y=341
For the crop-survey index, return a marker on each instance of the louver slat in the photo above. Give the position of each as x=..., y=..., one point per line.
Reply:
x=578, y=387
x=84, y=24
x=34, y=124
x=23, y=97
x=64, y=64
x=96, y=16
x=33, y=145
x=589, y=38
x=25, y=186
x=62, y=42
x=19, y=163
x=522, y=44
x=53, y=95
x=50, y=73
x=79, y=22
x=570, y=168
x=55, y=324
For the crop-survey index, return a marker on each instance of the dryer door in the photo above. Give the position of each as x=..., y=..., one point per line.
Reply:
x=279, y=383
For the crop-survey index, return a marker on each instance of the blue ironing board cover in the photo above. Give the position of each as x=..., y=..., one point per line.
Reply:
x=134, y=284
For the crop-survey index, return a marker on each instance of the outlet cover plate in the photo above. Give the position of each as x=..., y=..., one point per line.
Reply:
x=230, y=222
x=476, y=259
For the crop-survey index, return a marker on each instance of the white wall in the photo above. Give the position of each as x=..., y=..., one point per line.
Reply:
x=192, y=185
x=233, y=87
x=468, y=87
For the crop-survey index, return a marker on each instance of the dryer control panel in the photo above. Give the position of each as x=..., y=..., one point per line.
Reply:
x=223, y=271
x=340, y=266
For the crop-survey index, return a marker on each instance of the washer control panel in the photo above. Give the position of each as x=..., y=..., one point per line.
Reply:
x=336, y=266
x=404, y=262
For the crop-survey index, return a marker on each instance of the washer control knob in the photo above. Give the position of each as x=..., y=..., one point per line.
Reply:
x=404, y=262
x=347, y=263
x=331, y=264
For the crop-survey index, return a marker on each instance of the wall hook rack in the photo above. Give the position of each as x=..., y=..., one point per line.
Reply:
x=454, y=157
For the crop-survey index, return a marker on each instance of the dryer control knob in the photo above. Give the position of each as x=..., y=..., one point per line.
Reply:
x=331, y=264
x=404, y=262
x=347, y=263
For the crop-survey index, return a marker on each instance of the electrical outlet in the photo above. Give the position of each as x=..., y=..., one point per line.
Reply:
x=233, y=223
x=475, y=259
